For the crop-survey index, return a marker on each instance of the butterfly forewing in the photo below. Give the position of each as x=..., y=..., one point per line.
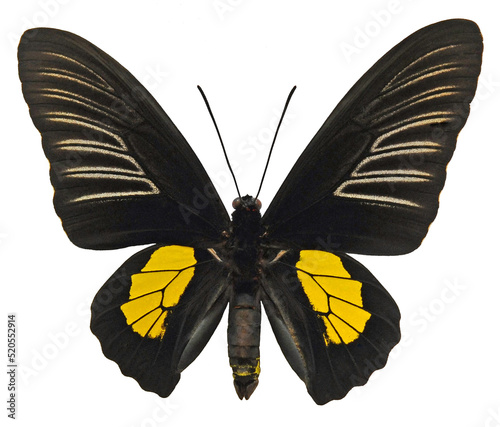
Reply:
x=122, y=173
x=370, y=179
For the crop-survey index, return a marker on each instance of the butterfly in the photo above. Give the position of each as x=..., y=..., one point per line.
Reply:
x=367, y=183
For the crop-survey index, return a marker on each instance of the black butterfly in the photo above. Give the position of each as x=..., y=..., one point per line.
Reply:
x=368, y=183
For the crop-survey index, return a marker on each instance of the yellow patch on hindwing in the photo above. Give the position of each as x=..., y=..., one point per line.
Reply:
x=333, y=295
x=157, y=289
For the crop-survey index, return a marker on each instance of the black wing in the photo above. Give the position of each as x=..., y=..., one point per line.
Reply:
x=333, y=320
x=370, y=179
x=158, y=311
x=123, y=174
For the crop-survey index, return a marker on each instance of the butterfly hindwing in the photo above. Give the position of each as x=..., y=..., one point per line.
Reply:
x=123, y=174
x=157, y=312
x=334, y=321
x=370, y=179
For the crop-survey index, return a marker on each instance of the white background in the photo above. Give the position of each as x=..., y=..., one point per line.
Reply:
x=247, y=55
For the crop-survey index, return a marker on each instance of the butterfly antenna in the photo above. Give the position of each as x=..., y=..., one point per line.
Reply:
x=274, y=140
x=220, y=139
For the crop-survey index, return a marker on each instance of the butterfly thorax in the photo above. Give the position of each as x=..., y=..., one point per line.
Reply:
x=244, y=306
x=246, y=230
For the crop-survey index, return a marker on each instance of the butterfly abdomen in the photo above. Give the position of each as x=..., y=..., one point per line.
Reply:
x=243, y=336
x=243, y=332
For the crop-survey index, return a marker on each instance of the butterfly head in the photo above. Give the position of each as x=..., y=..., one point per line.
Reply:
x=247, y=203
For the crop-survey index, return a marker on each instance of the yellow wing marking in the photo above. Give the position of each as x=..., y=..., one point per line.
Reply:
x=333, y=295
x=157, y=289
